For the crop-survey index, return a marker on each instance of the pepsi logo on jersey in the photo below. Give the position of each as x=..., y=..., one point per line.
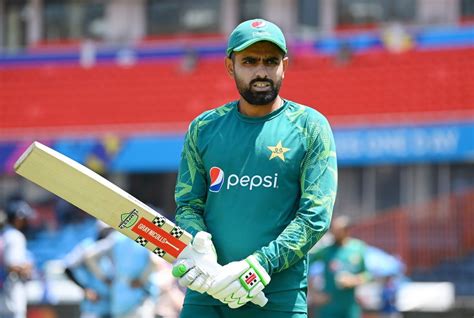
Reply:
x=217, y=180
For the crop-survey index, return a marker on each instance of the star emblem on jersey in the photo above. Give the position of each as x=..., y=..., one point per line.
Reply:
x=278, y=151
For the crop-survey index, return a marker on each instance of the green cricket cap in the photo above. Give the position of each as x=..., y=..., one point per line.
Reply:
x=252, y=31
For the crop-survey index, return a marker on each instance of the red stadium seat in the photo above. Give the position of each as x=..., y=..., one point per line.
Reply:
x=377, y=86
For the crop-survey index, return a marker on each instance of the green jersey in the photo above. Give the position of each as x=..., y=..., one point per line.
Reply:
x=339, y=259
x=264, y=186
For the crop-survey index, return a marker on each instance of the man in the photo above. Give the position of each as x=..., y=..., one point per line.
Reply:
x=15, y=266
x=258, y=176
x=96, y=302
x=344, y=270
x=132, y=291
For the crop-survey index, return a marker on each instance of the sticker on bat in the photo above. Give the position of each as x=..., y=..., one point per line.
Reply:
x=128, y=219
x=168, y=242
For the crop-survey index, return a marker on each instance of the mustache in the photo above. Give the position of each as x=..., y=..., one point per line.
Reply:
x=262, y=80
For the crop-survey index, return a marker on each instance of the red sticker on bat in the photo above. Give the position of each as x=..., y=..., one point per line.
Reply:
x=159, y=237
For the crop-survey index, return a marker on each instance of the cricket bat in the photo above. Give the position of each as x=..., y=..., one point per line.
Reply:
x=104, y=200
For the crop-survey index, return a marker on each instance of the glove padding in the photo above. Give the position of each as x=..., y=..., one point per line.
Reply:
x=194, y=266
x=239, y=282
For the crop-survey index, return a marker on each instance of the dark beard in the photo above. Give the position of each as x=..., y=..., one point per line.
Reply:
x=259, y=98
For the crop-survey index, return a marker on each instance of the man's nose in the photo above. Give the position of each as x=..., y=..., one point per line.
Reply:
x=261, y=71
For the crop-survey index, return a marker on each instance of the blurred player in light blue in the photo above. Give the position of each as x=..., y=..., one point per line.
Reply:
x=15, y=265
x=133, y=291
x=96, y=302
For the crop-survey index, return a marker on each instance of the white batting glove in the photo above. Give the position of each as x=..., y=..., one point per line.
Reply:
x=239, y=282
x=197, y=264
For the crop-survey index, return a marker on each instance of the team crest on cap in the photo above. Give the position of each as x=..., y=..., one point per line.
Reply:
x=217, y=179
x=258, y=24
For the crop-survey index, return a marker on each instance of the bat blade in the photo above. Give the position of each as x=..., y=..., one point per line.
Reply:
x=102, y=199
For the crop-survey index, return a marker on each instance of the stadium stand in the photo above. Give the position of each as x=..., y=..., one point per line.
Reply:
x=46, y=92
x=416, y=86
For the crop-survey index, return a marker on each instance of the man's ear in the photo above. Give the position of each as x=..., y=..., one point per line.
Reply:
x=229, y=66
x=285, y=66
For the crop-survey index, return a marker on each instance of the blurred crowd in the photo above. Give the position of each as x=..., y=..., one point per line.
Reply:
x=119, y=278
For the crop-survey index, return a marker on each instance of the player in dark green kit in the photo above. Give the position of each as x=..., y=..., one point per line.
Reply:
x=259, y=175
x=344, y=270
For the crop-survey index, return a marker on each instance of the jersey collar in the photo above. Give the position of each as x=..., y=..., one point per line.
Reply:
x=267, y=117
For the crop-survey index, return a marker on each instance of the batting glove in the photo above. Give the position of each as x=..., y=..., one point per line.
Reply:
x=197, y=263
x=239, y=282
